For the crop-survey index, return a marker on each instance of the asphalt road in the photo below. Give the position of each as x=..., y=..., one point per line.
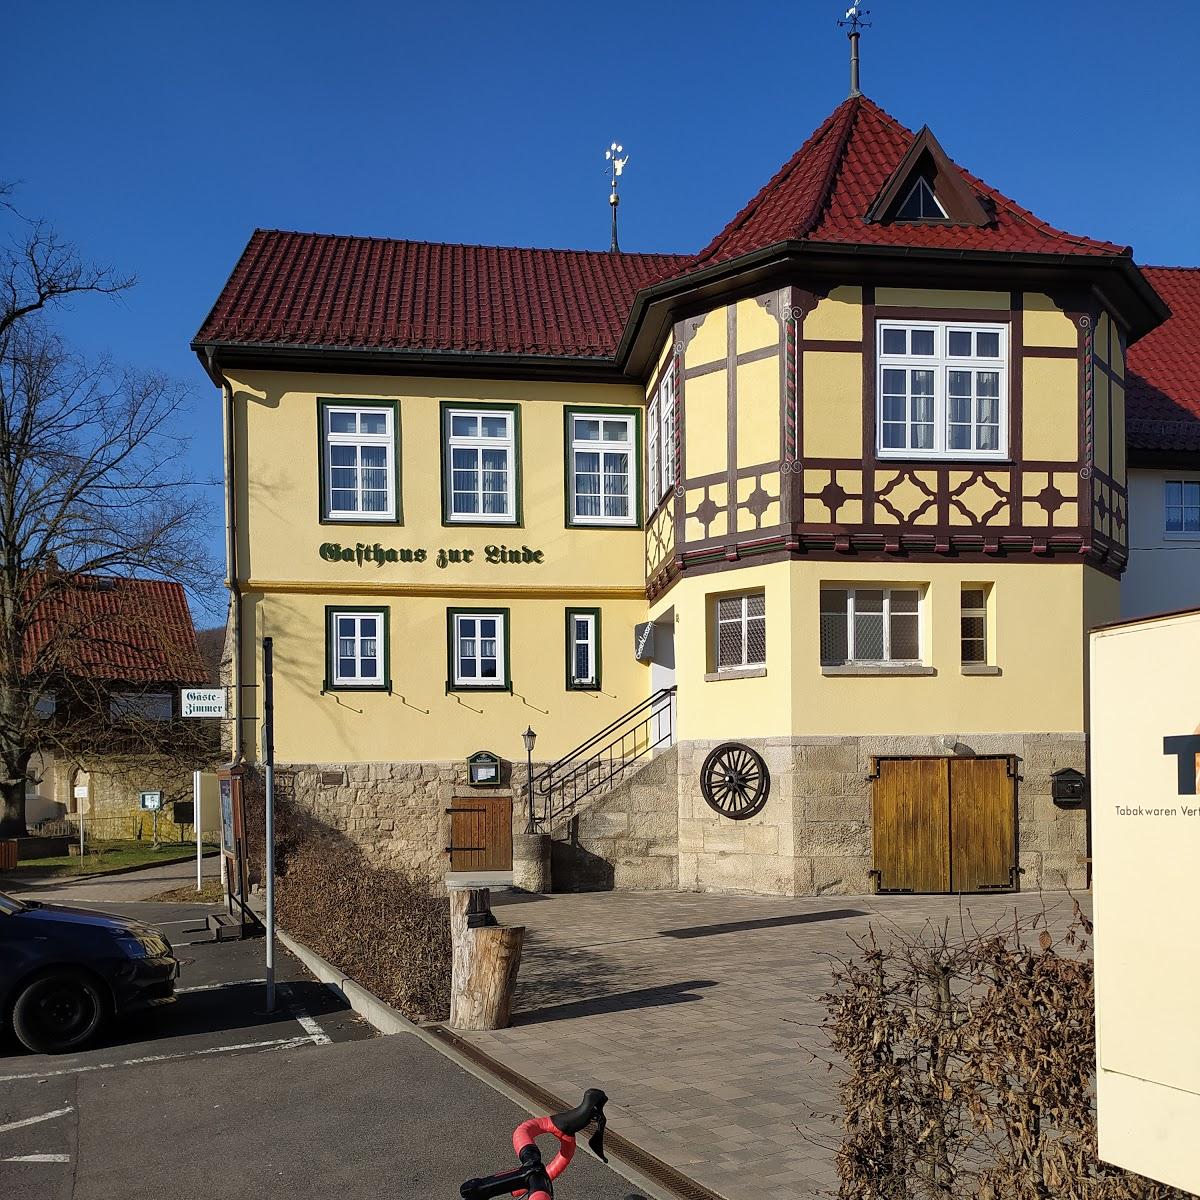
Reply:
x=212, y=1096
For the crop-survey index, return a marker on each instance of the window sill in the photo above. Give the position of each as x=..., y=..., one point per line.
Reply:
x=901, y=456
x=585, y=523
x=879, y=669
x=739, y=673
x=981, y=669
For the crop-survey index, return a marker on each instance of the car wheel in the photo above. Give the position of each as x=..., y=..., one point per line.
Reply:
x=57, y=1012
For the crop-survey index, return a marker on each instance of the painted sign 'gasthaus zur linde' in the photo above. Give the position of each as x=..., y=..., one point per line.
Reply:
x=786, y=549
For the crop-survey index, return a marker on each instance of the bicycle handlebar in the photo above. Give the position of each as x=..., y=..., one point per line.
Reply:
x=532, y=1179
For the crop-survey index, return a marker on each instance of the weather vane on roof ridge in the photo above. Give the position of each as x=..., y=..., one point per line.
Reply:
x=617, y=163
x=855, y=22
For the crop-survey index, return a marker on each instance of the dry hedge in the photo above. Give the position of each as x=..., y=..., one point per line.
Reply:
x=970, y=1060
x=387, y=930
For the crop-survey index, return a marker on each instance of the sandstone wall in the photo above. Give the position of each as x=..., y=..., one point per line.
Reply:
x=626, y=839
x=814, y=835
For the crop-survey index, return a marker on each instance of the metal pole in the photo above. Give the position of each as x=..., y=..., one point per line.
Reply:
x=854, y=88
x=269, y=757
x=529, y=786
x=196, y=818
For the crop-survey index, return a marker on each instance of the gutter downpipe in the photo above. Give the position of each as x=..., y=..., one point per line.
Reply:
x=231, y=564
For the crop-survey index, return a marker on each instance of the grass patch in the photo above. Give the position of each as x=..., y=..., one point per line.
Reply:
x=105, y=856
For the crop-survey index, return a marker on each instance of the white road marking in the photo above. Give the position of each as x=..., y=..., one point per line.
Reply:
x=58, y=1112
x=290, y=1043
x=38, y=1158
x=316, y=1034
x=212, y=987
x=199, y=942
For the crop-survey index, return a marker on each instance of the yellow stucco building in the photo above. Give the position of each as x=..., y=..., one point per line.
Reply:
x=787, y=550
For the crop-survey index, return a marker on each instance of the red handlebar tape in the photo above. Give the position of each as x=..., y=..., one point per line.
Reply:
x=527, y=1133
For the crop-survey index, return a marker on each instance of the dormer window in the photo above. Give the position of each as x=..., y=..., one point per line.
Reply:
x=921, y=204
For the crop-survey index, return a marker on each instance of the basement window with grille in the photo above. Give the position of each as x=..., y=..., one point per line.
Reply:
x=739, y=635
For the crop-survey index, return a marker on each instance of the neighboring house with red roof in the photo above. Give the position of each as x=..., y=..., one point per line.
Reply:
x=816, y=518
x=111, y=655
x=1163, y=436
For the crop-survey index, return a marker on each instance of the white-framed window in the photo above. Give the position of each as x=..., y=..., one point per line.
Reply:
x=870, y=625
x=141, y=706
x=481, y=467
x=660, y=439
x=583, y=654
x=1181, y=510
x=478, y=649
x=357, y=648
x=974, y=625
x=741, y=631
x=360, y=462
x=603, y=470
x=943, y=390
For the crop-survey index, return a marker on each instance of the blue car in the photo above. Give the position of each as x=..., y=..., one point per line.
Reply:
x=65, y=972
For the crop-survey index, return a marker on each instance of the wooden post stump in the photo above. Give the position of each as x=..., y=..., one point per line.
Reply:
x=486, y=958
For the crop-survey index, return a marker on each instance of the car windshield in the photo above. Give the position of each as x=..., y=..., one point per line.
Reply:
x=8, y=905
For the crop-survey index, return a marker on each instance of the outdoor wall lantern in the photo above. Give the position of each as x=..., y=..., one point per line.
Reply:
x=483, y=769
x=1068, y=788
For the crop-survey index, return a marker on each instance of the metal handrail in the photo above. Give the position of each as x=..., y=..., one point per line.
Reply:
x=597, y=763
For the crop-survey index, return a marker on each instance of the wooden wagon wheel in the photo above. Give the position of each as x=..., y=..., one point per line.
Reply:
x=734, y=781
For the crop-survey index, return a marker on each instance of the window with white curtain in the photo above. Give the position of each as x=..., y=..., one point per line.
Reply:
x=603, y=474
x=660, y=439
x=481, y=465
x=360, y=462
x=1182, y=508
x=357, y=648
x=870, y=625
x=583, y=654
x=477, y=647
x=943, y=390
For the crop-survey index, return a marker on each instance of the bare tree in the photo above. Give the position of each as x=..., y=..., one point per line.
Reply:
x=93, y=483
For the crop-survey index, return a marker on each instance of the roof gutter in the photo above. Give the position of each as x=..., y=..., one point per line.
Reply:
x=821, y=254
x=231, y=558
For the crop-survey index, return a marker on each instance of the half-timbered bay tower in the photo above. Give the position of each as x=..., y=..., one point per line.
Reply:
x=786, y=550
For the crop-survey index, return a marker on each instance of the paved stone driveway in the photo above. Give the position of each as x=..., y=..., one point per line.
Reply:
x=699, y=1015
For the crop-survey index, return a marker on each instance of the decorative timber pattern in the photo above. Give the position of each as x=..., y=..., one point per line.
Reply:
x=819, y=488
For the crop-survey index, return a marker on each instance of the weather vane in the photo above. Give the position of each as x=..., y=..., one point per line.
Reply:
x=617, y=165
x=855, y=22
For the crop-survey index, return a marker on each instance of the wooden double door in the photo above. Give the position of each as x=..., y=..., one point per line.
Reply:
x=945, y=824
x=481, y=833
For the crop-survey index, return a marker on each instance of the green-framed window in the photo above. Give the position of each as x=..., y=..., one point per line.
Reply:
x=477, y=645
x=356, y=648
x=583, y=649
x=481, y=464
x=602, y=455
x=360, y=461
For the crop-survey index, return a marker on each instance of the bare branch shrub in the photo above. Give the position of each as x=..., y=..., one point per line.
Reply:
x=970, y=1062
x=385, y=929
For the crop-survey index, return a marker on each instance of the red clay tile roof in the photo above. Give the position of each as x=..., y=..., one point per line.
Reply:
x=116, y=630
x=1163, y=409
x=305, y=289
x=822, y=194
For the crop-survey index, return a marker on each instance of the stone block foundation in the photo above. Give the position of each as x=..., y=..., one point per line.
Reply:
x=653, y=831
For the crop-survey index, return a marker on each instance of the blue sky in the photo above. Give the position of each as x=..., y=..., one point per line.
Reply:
x=158, y=135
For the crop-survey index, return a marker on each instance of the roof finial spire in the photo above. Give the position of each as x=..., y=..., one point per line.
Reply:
x=855, y=22
x=617, y=164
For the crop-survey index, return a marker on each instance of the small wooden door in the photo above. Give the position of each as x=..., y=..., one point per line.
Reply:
x=911, y=827
x=944, y=824
x=481, y=833
x=982, y=824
